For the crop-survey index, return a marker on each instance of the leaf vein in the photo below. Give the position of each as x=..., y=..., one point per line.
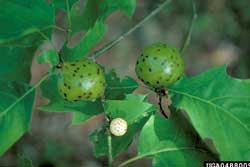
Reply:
x=212, y=104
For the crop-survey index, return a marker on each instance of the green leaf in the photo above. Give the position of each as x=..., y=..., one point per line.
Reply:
x=23, y=21
x=80, y=117
x=92, y=20
x=135, y=111
x=48, y=56
x=219, y=109
x=61, y=4
x=171, y=142
x=91, y=38
x=15, y=63
x=86, y=111
x=16, y=121
x=83, y=109
x=83, y=19
x=117, y=88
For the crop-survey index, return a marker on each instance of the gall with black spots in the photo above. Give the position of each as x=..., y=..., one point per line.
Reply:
x=159, y=65
x=81, y=80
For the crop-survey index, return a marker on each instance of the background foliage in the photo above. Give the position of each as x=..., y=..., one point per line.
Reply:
x=215, y=105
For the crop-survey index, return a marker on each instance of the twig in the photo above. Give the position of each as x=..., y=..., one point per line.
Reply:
x=69, y=19
x=161, y=108
x=190, y=28
x=109, y=139
x=24, y=95
x=59, y=28
x=131, y=30
x=110, y=156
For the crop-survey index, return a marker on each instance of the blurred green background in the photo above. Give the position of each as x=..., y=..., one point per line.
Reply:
x=221, y=35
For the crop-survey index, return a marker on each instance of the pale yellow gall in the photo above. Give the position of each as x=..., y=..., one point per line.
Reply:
x=118, y=127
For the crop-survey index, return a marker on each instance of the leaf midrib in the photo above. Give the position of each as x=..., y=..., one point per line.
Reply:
x=216, y=108
x=228, y=96
x=214, y=105
x=140, y=156
x=121, y=87
x=10, y=96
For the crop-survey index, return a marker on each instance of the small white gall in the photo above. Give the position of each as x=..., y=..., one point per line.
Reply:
x=118, y=127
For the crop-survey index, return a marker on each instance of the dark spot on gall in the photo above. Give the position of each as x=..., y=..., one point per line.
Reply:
x=73, y=75
x=75, y=100
x=149, y=69
x=147, y=82
x=78, y=68
x=157, y=82
x=81, y=76
x=98, y=71
x=143, y=59
x=84, y=65
x=137, y=62
x=65, y=84
x=79, y=97
x=141, y=69
x=75, y=71
x=68, y=87
x=89, y=74
x=158, y=50
x=73, y=64
x=155, y=58
x=147, y=56
x=65, y=95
